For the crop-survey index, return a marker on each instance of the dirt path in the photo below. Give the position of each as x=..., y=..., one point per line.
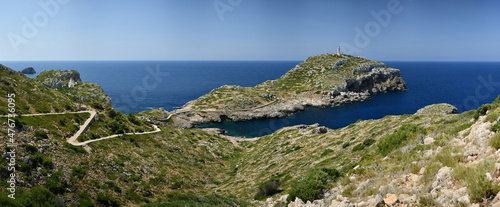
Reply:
x=73, y=139
x=113, y=136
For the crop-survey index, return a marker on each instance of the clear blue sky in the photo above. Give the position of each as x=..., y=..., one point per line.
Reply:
x=252, y=30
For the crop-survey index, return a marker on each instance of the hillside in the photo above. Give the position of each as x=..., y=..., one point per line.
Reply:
x=31, y=97
x=431, y=158
x=321, y=81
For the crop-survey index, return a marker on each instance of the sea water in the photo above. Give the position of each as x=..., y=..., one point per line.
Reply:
x=136, y=86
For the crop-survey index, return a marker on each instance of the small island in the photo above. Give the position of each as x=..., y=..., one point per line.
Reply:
x=325, y=80
x=28, y=70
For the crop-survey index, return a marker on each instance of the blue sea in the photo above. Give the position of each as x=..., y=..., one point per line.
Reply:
x=136, y=86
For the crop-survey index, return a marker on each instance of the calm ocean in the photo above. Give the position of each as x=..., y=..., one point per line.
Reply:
x=136, y=86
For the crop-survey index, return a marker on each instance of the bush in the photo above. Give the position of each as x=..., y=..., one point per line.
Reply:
x=478, y=186
x=107, y=200
x=38, y=196
x=398, y=138
x=78, y=172
x=30, y=148
x=41, y=135
x=368, y=142
x=358, y=147
x=326, y=152
x=460, y=128
x=55, y=184
x=495, y=127
x=268, y=188
x=113, y=186
x=345, y=145
x=6, y=201
x=495, y=141
x=482, y=110
x=131, y=195
x=75, y=149
x=312, y=186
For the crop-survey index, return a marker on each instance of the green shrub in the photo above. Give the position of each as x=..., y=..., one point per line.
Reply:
x=268, y=188
x=113, y=186
x=75, y=149
x=495, y=141
x=30, y=148
x=84, y=200
x=482, y=110
x=41, y=135
x=6, y=201
x=326, y=152
x=38, y=196
x=313, y=185
x=107, y=200
x=345, y=145
x=478, y=186
x=131, y=195
x=495, y=127
x=358, y=147
x=398, y=138
x=460, y=128
x=56, y=184
x=368, y=142
x=446, y=158
x=78, y=172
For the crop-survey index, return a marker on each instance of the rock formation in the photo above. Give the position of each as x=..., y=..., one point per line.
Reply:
x=435, y=109
x=28, y=70
x=320, y=81
x=70, y=79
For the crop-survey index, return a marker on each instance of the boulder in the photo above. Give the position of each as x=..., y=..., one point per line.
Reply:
x=320, y=130
x=391, y=199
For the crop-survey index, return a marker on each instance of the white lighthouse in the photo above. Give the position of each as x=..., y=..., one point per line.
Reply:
x=338, y=50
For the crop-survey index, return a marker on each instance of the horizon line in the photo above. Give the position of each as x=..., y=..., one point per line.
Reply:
x=240, y=60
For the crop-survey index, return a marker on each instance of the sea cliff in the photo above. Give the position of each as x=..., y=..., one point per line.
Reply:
x=326, y=80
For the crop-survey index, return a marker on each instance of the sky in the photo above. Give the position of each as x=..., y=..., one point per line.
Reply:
x=396, y=30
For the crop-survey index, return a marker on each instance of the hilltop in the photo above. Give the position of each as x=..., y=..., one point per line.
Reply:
x=321, y=81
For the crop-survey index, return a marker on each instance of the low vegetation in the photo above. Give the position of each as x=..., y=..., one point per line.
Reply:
x=313, y=185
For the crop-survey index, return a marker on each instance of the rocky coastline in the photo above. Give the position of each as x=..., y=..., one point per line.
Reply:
x=374, y=78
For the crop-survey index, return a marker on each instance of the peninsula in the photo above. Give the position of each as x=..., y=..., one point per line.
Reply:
x=325, y=80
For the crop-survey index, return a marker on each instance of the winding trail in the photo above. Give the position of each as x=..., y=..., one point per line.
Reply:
x=83, y=128
x=113, y=136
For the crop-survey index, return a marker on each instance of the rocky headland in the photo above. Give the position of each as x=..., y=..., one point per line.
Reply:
x=326, y=80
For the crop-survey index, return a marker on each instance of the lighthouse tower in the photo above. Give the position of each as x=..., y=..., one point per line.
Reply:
x=338, y=50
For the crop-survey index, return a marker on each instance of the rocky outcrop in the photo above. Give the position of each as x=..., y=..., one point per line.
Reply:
x=374, y=78
x=28, y=70
x=436, y=109
x=58, y=78
x=377, y=80
x=78, y=90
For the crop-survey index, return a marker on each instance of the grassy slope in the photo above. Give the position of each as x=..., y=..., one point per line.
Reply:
x=132, y=169
x=289, y=153
x=30, y=97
